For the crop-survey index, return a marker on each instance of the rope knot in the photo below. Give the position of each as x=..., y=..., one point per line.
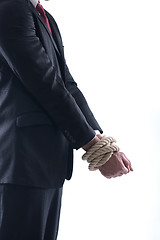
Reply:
x=100, y=152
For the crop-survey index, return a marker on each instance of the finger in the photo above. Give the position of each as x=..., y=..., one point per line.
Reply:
x=118, y=175
x=126, y=162
x=107, y=176
x=124, y=169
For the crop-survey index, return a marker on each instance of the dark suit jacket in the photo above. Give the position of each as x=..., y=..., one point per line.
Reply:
x=43, y=114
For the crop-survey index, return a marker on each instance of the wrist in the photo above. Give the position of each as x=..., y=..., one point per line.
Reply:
x=91, y=143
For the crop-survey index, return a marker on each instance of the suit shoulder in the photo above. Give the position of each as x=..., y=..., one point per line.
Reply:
x=10, y=8
x=9, y=4
x=14, y=14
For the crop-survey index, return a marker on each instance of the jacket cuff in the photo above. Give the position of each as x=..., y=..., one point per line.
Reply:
x=82, y=141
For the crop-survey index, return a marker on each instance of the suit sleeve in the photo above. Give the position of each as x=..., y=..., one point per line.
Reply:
x=27, y=58
x=72, y=87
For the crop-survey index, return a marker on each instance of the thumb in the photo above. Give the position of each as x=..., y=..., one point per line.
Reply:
x=124, y=168
x=126, y=162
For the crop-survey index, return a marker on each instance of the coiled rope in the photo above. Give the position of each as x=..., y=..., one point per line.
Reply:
x=100, y=152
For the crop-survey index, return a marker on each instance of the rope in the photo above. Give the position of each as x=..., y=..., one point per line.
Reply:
x=100, y=152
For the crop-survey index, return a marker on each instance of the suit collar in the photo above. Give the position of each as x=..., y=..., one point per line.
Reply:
x=35, y=12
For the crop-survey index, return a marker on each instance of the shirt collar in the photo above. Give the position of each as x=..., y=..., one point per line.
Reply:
x=34, y=2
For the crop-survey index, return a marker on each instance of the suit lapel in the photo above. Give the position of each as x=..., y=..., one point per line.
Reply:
x=35, y=12
x=56, y=33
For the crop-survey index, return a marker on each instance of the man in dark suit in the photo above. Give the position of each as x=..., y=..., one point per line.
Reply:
x=43, y=117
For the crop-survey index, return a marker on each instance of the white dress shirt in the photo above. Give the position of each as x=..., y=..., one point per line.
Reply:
x=34, y=2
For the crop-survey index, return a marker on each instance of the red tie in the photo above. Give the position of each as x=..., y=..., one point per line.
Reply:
x=40, y=9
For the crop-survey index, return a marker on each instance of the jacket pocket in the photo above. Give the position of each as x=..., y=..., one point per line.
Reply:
x=32, y=118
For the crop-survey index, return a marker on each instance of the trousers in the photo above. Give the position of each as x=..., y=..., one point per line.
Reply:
x=29, y=213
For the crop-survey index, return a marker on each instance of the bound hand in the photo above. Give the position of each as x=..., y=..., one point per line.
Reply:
x=116, y=166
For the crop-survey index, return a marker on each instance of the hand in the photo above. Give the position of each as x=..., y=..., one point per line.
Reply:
x=116, y=166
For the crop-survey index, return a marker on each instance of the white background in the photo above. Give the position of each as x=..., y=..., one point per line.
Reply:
x=113, y=51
